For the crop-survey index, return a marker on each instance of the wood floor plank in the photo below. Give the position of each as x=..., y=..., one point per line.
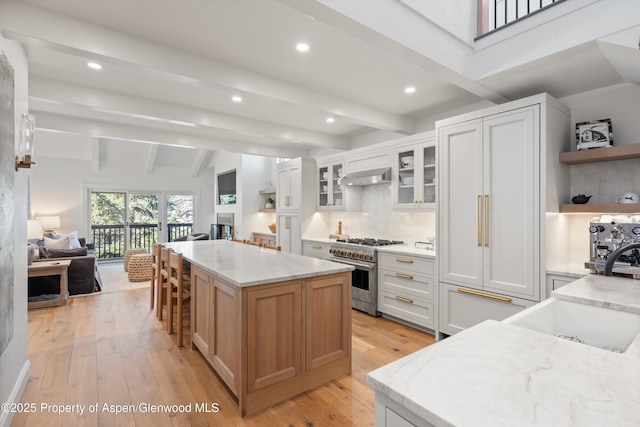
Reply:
x=110, y=348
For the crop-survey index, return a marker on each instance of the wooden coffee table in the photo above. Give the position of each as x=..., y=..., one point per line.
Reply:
x=52, y=268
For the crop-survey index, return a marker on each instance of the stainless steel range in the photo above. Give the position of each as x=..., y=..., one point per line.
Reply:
x=361, y=253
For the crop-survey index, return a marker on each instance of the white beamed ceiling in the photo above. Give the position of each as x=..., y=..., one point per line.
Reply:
x=171, y=67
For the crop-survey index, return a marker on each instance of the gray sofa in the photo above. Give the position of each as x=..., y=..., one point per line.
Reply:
x=84, y=277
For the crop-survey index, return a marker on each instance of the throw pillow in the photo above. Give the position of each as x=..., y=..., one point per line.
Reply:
x=64, y=253
x=62, y=243
x=74, y=243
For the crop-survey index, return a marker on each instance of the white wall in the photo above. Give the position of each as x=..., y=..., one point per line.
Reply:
x=253, y=174
x=59, y=185
x=14, y=366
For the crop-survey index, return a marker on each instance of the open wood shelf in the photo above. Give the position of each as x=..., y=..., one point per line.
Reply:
x=604, y=154
x=266, y=210
x=267, y=191
x=612, y=208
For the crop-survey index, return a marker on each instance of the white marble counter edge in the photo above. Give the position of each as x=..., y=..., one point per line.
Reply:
x=598, y=290
x=340, y=268
x=570, y=270
x=407, y=250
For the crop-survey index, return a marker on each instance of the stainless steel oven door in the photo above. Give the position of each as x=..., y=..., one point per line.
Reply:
x=363, y=284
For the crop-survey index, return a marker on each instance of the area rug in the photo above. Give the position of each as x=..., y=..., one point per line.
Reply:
x=115, y=279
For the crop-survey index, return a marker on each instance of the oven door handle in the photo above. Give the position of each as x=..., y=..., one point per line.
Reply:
x=354, y=263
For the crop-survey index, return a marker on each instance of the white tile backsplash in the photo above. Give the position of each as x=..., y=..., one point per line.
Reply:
x=379, y=220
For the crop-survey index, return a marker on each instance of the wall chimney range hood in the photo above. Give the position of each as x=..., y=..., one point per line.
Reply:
x=367, y=177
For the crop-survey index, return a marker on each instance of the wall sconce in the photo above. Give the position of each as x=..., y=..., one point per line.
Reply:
x=25, y=150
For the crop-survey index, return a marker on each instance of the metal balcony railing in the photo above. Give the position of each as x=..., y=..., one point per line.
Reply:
x=496, y=14
x=109, y=240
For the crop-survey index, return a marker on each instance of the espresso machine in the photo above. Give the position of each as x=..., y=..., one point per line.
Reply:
x=606, y=237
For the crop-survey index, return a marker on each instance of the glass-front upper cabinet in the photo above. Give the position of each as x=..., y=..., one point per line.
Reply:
x=414, y=186
x=330, y=193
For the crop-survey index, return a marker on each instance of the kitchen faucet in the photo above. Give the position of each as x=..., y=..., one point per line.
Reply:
x=608, y=266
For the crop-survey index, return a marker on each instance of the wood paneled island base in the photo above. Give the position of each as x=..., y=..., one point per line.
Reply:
x=277, y=331
x=271, y=342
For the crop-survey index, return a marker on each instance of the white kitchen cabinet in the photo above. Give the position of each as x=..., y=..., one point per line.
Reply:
x=331, y=195
x=389, y=413
x=490, y=206
x=295, y=207
x=289, y=232
x=406, y=288
x=414, y=171
x=461, y=307
x=498, y=177
x=368, y=158
x=289, y=178
x=556, y=281
x=316, y=249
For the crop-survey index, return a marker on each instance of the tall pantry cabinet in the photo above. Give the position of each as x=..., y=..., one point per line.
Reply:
x=498, y=179
x=295, y=206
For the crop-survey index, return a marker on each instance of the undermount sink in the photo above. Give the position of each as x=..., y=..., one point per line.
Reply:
x=587, y=324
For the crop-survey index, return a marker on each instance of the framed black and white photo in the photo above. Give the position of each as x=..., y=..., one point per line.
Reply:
x=594, y=134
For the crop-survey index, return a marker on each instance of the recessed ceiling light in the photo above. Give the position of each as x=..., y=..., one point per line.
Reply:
x=409, y=89
x=302, y=47
x=330, y=120
x=94, y=65
x=236, y=98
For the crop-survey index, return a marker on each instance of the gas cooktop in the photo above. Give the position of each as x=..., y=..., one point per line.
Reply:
x=370, y=241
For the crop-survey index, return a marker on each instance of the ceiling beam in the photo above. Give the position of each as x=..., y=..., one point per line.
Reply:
x=199, y=162
x=133, y=132
x=151, y=158
x=119, y=105
x=36, y=26
x=95, y=154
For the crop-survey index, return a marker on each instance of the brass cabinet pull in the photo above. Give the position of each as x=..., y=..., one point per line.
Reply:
x=486, y=220
x=406, y=260
x=484, y=294
x=316, y=247
x=286, y=200
x=404, y=299
x=404, y=276
x=479, y=220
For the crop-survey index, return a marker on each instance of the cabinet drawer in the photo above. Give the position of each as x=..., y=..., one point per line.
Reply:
x=459, y=309
x=413, y=310
x=412, y=284
x=315, y=249
x=405, y=263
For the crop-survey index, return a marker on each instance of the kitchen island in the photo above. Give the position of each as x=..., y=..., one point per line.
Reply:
x=497, y=373
x=271, y=324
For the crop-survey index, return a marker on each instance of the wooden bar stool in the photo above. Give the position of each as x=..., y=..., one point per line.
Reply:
x=277, y=248
x=179, y=288
x=163, y=280
x=155, y=271
x=249, y=242
x=238, y=240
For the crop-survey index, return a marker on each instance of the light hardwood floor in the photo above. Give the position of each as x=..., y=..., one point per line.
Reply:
x=109, y=348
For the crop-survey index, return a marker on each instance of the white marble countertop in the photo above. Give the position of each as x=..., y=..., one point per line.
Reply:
x=616, y=293
x=407, y=250
x=245, y=265
x=571, y=270
x=497, y=374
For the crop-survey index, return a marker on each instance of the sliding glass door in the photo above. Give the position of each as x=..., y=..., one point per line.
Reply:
x=121, y=220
